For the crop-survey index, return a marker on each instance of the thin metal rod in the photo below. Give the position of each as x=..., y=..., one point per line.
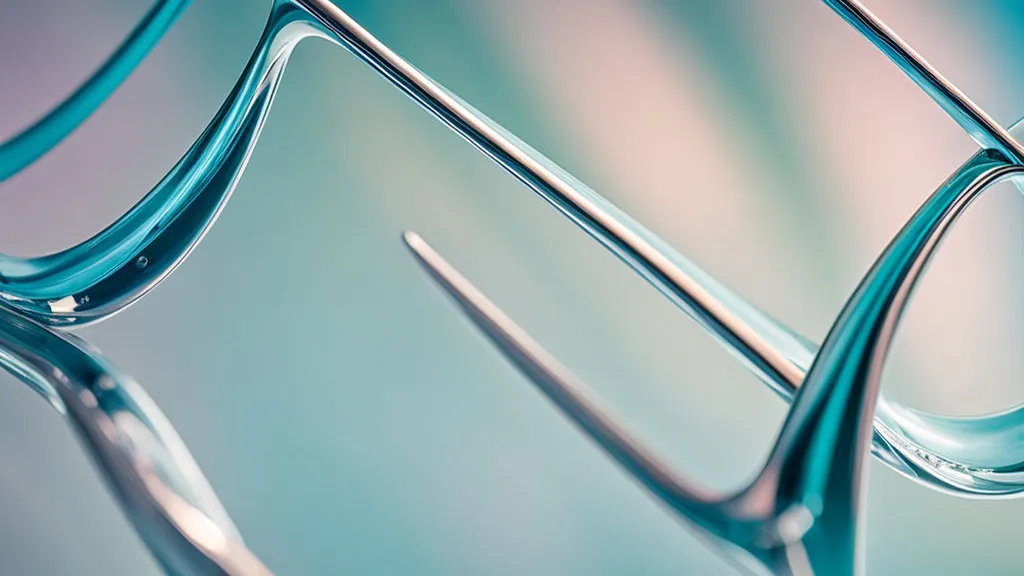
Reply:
x=985, y=131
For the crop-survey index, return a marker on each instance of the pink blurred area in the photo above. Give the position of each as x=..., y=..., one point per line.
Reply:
x=350, y=420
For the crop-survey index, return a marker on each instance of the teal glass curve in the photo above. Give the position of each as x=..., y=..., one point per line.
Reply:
x=806, y=501
x=27, y=146
x=108, y=272
x=144, y=463
x=801, y=513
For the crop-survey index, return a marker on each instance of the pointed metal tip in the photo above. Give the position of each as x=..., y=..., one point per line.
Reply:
x=428, y=258
x=413, y=240
x=456, y=285
x=562, y=388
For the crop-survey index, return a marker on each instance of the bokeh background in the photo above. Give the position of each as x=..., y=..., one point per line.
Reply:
x=353, y=423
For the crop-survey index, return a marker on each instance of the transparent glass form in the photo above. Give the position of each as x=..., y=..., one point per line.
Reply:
x=801, y=513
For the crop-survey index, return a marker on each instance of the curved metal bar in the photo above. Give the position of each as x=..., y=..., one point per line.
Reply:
x=33, y=142
x=103, y=275
x=771, y=350
x=800, y=515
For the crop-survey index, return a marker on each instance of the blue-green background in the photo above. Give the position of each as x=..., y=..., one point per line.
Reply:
x=353, y=423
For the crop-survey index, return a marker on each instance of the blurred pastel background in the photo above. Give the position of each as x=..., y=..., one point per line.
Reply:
x=352, y=423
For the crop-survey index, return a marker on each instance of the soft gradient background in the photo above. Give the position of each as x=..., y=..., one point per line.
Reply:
x=352, y=423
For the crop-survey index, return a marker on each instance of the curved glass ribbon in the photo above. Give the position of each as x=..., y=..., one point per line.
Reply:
x=97, y=278
x=800, y=514
x=145, y=464
x=803, y=506
x=104, y=274
x=33, y=142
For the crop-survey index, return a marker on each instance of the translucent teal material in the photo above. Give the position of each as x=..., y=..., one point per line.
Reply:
x=142, y=459
x=109, y=271
x=799, y=516
x=33, y=142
